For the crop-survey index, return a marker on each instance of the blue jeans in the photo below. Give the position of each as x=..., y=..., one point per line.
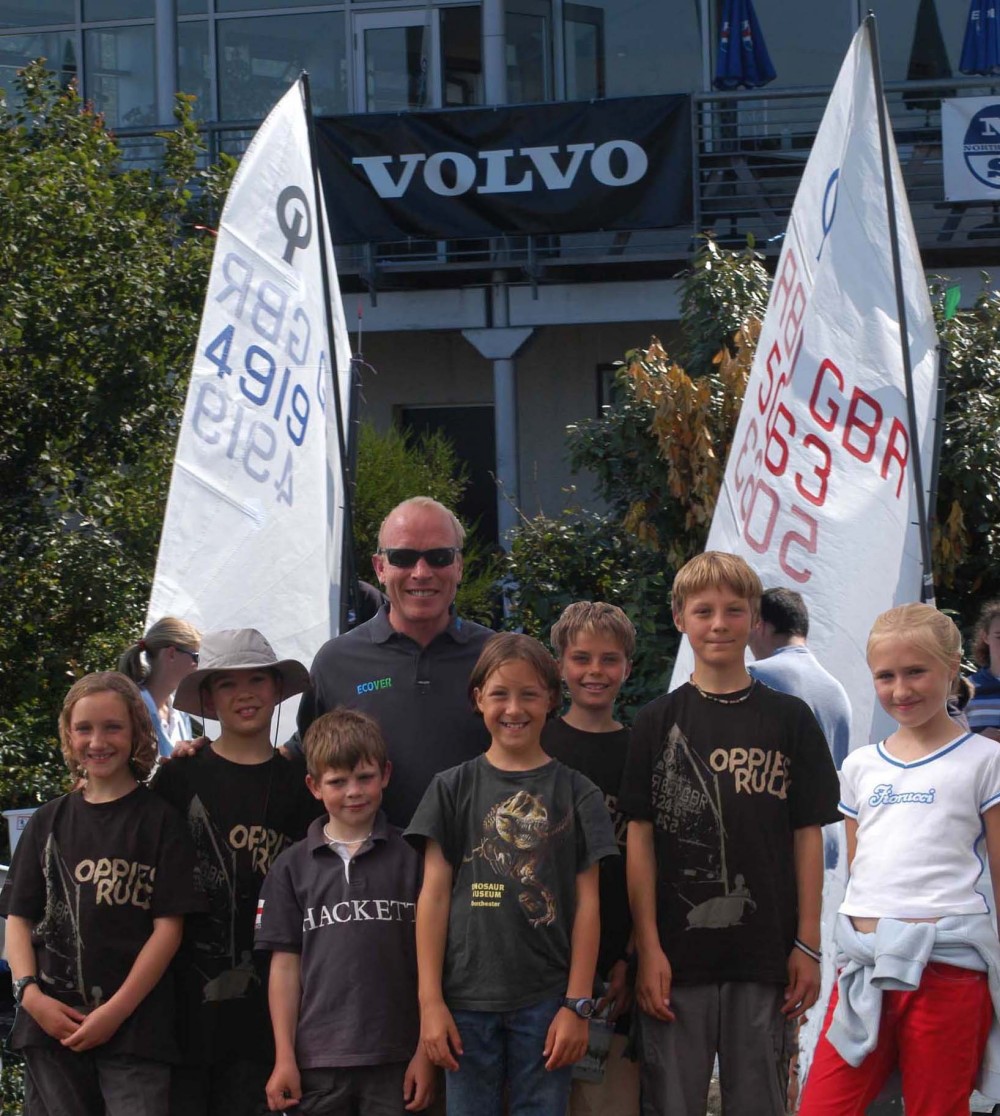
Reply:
x=505, y=1048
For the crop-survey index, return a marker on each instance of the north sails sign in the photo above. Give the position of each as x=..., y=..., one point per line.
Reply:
x=970, y=133
x=618, y=164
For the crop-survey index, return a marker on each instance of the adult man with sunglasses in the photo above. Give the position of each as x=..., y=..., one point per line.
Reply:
x=409, y=665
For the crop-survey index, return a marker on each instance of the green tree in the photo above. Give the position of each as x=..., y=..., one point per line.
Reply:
x=658, y=457
x=105, y=274
x=967, y=528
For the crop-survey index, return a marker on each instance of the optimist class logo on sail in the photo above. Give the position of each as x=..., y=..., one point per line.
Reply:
x=259, y=404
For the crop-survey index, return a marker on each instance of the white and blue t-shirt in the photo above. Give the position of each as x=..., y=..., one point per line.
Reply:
x=919, y=852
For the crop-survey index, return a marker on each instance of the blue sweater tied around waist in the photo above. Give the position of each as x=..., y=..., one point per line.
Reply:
x=892, y=959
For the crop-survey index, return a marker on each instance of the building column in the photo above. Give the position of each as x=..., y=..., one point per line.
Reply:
x=166, y=59
x=494, y=52
x=500, y=344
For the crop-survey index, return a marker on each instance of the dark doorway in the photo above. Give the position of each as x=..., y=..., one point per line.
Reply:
x=470, y=431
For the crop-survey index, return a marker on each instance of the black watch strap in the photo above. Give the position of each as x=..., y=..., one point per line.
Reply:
x=584, y=1007
x=21, y=985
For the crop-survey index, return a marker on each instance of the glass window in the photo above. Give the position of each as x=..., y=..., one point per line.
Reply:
x=117, y=9
x=644, y=47
x=58, y=48
x=194, y=67
x=583, y=35
x=529, y=51
x=396, y=67
x=121, y=74
x=259, y=59
x=36, y=13
x=461, y=56
x=192, y=7
x=920, y=41
x=255, y=5
x=806, y=42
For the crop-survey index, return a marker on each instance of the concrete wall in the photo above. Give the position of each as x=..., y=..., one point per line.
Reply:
x=557, y=382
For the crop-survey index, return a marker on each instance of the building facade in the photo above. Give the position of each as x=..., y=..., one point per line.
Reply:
x=503, y=340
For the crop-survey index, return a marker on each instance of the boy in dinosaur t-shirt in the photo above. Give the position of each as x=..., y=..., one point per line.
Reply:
x=507, y=919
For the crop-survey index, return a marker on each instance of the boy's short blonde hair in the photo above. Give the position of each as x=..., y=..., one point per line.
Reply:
x=340, y=740
x=595, y=617
x=716, y=570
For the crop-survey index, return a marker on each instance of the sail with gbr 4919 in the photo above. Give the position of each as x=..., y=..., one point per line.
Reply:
x=253, y=529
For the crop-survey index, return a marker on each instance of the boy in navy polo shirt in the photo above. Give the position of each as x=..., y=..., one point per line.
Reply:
x=337, y=915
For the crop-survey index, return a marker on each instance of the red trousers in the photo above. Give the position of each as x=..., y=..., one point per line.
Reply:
x=936, y=1035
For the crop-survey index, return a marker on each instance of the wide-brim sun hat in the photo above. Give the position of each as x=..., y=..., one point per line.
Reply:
x=237, y=649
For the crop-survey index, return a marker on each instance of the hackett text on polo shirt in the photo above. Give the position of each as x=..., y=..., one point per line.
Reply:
x=354, y=926
x=363, y=910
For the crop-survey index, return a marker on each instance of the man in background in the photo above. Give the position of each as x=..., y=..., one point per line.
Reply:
x=784, y=662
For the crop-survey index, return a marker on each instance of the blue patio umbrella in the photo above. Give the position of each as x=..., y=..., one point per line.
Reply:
x=742, y=58
x=981, y=49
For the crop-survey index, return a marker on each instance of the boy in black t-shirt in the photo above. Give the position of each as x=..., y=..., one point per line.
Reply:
x=337, y=914
x=726, y=785
x=244, y=803
x=595, y=643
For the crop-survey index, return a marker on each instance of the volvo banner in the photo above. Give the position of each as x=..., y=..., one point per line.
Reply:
x=560, y=168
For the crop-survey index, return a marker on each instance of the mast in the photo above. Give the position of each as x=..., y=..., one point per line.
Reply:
x=348, y=575
x=927, y=579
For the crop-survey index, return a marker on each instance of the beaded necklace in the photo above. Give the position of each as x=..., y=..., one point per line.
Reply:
x=722, y=700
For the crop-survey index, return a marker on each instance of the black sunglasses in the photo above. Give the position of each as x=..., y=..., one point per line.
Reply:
x=184, y=651
x=405, y=558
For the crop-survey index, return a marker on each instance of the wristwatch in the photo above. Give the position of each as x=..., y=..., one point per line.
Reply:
x=583, y=1007
x=21, y=985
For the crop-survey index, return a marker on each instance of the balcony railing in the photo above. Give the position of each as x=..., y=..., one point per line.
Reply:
x=750, y=151
x=748, y=154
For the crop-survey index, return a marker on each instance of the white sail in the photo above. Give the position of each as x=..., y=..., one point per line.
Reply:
x=819, y=493
x=254, y=524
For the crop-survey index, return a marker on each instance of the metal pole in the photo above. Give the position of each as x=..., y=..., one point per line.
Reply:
x=505, y=421
x=942, y=398
x=347, y=572
x=927, y=581
x=166, y=59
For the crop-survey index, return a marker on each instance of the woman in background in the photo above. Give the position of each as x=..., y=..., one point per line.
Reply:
x=167, y=653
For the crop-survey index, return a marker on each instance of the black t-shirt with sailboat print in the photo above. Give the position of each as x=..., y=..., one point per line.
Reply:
x=91, y=877
x=725, y=786
x=241, y=817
